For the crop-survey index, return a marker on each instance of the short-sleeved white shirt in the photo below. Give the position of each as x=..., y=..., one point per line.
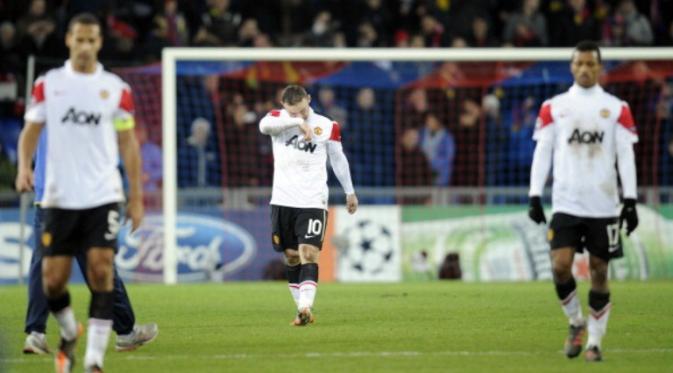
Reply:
x=81, y=114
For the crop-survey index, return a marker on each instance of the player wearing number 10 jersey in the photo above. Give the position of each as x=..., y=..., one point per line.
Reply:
x=302, y=141
x=587, y=132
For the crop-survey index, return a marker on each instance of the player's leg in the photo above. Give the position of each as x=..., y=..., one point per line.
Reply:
x=37, y=311
x=564, y=236
x=310, y=231
x=283, y=240
x=293, y=269
x=603, y=242
x=56, y=245
x=129, y=335
x=99, y=272
x=308, y=283
x=99, y=231
x=599, y=307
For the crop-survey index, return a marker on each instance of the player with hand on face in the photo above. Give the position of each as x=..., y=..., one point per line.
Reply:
x=302, y=141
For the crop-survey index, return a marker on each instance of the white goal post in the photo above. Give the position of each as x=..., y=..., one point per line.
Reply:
x=170, y=57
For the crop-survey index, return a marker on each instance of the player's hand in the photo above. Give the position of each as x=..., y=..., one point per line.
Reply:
x=535, y=210
x=629, y=214
x=306, y=130
x=135, y=212
x=351, y=203
x=24, y=181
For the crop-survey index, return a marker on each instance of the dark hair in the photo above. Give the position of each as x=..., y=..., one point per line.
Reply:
x=83, y=19
x=588, y=46
x=293, y=94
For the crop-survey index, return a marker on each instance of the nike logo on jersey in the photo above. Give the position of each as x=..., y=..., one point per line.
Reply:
x=81, y=117
x=301, y=144
x=310, y=236
x=586, y=137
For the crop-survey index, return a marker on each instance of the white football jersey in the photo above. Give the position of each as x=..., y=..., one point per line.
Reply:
x=300, y=167
x=585, y=126
x=81, y=114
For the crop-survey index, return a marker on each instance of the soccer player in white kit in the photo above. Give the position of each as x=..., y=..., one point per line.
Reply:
x=585, y=132
x=302, y=140
x=88, y=115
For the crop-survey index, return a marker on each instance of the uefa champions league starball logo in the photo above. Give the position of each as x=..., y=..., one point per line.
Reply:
x=367, y=247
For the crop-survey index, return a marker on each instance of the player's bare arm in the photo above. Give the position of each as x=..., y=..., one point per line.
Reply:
x=130, y=154
x=28, y=140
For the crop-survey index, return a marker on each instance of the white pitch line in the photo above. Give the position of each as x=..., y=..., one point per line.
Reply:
x=343, y=354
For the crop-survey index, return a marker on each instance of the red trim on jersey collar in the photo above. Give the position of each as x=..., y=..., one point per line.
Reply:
x=336, y=132
x=626, y=119
x=545, y=115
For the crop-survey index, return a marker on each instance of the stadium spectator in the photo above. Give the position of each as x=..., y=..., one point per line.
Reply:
x=219, y=25
x=414, y=168
x=481, y=34
x=367, y=36
x=152, y=162
x=415, y=107
x=328, y=106
x=433, y=32
x=573, y=24
x=322, y=31
x=627, y=27
x=36, y=32
x=438, y=145
x=376, y=15
x=241, y=147
x=248, y=33
x=170, y=25
x=199, y=155
x=528, y=27
x=497, y=142
x=466, y=135
x=521, y=144
x=370, y=141
x=10, y=62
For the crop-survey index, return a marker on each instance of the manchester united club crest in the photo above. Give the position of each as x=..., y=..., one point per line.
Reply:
x=46, y=239
x=317, y=131
x=104, y=94
x=605, y=113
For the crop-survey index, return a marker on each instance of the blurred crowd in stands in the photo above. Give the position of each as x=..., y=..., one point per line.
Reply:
x=135, y=32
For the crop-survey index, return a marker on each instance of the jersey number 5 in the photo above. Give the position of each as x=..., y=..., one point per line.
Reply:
x=112, y=225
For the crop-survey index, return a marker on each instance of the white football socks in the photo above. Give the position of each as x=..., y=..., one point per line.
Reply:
x=96, y=342
x=598, y=325
x=573, y=309
x=307, y=291
x=294, y=290
x=66, y=320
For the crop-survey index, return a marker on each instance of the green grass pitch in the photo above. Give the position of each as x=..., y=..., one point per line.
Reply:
x=413, y=327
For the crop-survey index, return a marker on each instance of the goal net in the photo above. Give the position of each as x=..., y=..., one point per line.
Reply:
x=439, y=144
